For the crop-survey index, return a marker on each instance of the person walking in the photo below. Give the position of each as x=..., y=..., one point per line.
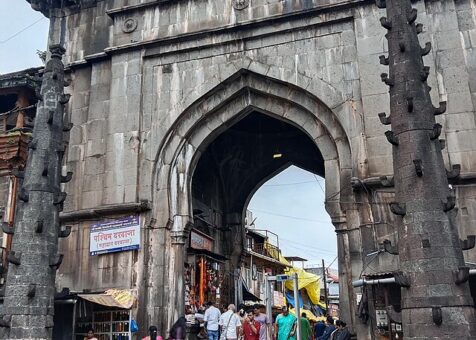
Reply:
x=153, y=334
x=251, y=327
x=319, y=328
x=90, y=335
x=335, y=333
x=230, y=324
x=263, y=321
x=285, y=326
x=212, y=319
x=344, y=333
x=306, y=330
x=329, y=329
x=179, y=329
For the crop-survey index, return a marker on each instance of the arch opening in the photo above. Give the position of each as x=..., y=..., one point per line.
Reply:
x=238, y=105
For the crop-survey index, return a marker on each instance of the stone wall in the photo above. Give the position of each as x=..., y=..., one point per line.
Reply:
x=137, y=66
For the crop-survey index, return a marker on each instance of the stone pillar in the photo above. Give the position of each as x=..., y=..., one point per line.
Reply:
x=28, y=309
x=176, y=261
x=436, y=301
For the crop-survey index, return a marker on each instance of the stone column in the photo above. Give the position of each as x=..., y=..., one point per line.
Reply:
x=436, y=301
x=28, y=309
x=176, y=261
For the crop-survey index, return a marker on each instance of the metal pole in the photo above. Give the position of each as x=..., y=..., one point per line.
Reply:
x=269, y=305
x=325, y=286
x=296, y=306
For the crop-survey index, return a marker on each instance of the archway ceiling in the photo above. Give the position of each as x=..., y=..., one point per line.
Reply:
x=241, y=158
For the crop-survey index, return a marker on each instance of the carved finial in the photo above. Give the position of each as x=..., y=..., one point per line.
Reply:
x=56, y=261
x=410, y=104
x=46, y=163
x=442, y=144
x=401, y=46
x=39, y=226
x=398, y=209
x=437, y=315
x=386, y=181
x=384, y=119
x=425, y=73
x=386, y=79
x=24, y=196
x=14, y=257
x=5, y=321
x=441, y=109
x=18, y=173
x=387, y=246
x=426, y=49
x=392, y=139
x=51, y=114
x=436, y=132
x=59, y=198
x=402, y=280
x=412, y=16
x=31, y=290
x=450, y=203
x=419, y=28
x=383, y=60
x=454, y=172
x=461, y=275
x=57, y=51
x=381, y=3
x=386, y=23
x=418, y=167
x=468, y=243
x=67, y=178
x=64, y=98
x=64, y=231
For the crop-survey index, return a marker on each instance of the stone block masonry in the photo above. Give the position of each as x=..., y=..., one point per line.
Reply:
x=28, y=308
x=436, y=300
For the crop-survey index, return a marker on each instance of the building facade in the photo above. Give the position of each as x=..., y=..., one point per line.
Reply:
x=179, y=108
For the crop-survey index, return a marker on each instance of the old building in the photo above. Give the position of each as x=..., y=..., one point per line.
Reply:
x=182, y=109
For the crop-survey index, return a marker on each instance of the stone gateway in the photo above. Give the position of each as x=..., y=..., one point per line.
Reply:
x=178, y=106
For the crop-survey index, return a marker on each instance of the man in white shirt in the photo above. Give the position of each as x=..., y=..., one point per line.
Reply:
x=212, y=318
x=230, y=324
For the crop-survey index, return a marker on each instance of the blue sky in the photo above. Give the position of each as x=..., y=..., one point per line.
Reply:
x=291, y=204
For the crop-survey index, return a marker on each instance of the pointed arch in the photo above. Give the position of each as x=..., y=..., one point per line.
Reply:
x=223, y=106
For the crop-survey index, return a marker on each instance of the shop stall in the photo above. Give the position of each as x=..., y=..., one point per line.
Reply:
x=205, y=276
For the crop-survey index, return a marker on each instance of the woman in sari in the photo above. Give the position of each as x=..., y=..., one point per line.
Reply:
x=285, y=326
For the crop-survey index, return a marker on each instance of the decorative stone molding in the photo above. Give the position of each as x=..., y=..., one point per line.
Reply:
x=240, y=4
x=129, y=25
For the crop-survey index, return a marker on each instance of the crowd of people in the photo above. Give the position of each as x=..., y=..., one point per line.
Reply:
x=252, y=324
x=248, y=324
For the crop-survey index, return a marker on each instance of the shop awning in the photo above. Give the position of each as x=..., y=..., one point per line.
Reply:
x=207, y=253
x=120, y=298
x=247, y=295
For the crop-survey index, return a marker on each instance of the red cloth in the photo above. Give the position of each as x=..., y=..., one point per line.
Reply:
x=248, y=333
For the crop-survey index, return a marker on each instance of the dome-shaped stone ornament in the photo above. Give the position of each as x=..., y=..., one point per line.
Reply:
x=240, y=4
x=129, y=25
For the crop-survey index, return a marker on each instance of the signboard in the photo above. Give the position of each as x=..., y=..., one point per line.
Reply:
x=115, y=235
x=278, y=299
x=200, y=241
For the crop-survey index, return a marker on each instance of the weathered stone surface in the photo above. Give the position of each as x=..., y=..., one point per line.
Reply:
x=181, y=73
x=34, y=250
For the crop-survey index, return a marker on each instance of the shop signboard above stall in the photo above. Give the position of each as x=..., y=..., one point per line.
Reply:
x=199, y=240
x=115, y=235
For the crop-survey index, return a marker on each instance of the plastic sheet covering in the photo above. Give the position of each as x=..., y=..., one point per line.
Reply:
x=122, y=298
x=309, y=315
x=309, y=282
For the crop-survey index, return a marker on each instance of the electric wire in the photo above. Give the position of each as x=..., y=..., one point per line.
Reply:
x=21, y=31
